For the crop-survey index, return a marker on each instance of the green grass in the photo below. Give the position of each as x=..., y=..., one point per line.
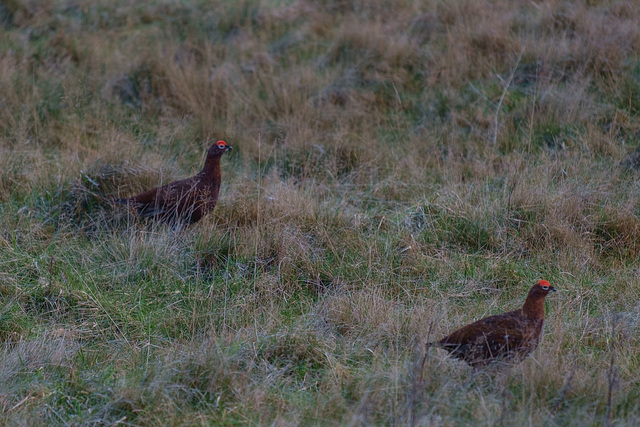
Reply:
x=370, y=205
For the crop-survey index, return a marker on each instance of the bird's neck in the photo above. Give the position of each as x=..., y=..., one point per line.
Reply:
x=534, y=307
x=211, y=168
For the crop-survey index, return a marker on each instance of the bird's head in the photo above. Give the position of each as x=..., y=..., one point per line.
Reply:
x=218, y=149
x=542, y=288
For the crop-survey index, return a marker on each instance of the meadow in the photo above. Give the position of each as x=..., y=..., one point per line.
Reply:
x=399, y=169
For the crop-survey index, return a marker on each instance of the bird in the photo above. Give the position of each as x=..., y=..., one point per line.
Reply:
x=185, y=201
x=507, y=337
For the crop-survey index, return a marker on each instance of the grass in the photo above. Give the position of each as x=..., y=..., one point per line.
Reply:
x=399, y=169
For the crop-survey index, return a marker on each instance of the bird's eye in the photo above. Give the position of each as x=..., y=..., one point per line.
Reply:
x=221, y=146
x=545, y=288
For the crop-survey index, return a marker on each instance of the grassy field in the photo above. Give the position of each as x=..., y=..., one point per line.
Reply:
x=400, y=168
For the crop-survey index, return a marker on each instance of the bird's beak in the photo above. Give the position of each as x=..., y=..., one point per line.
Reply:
x=552, y=289
x=229, y=148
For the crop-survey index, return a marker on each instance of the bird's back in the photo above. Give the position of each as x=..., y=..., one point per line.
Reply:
x=188, y=200
x=504, y=336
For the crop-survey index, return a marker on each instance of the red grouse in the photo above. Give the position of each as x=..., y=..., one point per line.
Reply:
x=504, y=337
x=185, y=201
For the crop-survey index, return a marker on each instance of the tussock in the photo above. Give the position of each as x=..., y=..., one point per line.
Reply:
x=47, y=353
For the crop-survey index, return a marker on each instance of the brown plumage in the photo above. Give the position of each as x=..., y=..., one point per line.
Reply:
x=185, y=201
x=507, y=336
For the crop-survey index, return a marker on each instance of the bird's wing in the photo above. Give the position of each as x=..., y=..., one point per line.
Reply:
x=503, y=339
x=160, y=202
x=145, y=198
x=177, y=197
x=493, y=337
x=489, y=326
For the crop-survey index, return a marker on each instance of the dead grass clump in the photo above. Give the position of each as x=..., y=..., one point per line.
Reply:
x=130, y=88
x=14, y=179
x=120, y=180
x=196, y=383
x=367, y=316
x=478, y=40
x=45, y=354
x=270, y=201
x=594, y=40
x=597, y=42
x=578, y=222
x=278, y=228
x=238, y=380
x=203, y=91
x=617, y=233
x=301, y=354
x=88, y=205
x=566, y=104
x=455, y=222
x=326, y=163
x=376, y=56
x=49, y=300
x=554, y=231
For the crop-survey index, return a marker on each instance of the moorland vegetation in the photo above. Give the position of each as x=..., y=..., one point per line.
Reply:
x=400, y=169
